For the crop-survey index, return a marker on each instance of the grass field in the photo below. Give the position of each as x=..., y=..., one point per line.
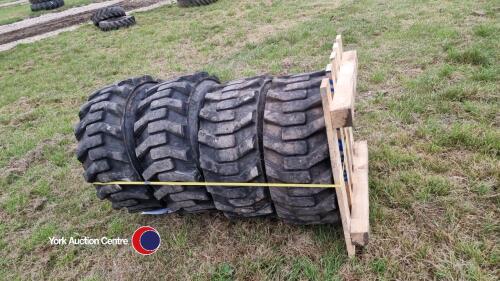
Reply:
x=19, y=12
x=428, y=104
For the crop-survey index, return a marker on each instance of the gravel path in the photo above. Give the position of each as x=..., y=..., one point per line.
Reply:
x=30, y=22
x=35, y=38
x=13, y=3
x=50, y=23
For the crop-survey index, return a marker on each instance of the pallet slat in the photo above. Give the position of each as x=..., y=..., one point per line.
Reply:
x=360, y=223
x=336, y=164
x=348, y=158
x=345, y=164
x=342, y=106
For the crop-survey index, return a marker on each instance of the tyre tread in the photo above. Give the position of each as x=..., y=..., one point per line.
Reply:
x=101, y=147
x=296, y=151
x=230, y=149
x=164, y=137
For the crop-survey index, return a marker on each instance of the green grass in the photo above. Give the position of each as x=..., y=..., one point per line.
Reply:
x=427, y=104
x=11, y=14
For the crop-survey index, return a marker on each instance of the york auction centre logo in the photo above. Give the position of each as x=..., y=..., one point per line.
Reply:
x=146, y=240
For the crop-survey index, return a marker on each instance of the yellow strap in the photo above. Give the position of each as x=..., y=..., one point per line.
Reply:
x=227, y=184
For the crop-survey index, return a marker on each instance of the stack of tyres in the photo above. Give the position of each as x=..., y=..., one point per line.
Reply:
x=194, y=129
x=111, y=18
x=38, y=5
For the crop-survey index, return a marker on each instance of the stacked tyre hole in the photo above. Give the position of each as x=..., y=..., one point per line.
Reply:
x=112, y=18
x=39, y=5
x=195, y=129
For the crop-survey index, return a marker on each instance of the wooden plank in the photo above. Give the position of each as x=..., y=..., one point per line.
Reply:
x=335, y=66
x=335, y=162
x=340, y=44
x=346, y=165
x=360, y=223
x=336, y=58
x=349, y=149
x=342, y=107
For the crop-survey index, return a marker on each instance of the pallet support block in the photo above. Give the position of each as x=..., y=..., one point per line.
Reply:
x=349, y=159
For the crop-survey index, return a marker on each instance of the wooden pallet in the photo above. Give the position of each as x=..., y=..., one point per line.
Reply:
x=349, y=159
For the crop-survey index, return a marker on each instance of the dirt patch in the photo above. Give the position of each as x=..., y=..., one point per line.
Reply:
x=63, y=22
x=21, y=165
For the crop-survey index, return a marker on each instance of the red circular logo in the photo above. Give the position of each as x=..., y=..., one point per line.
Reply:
x=146, y=240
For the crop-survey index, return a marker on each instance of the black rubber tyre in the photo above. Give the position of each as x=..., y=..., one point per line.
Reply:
x=296, y=150
x=105, y=149
x=38, y=1
x=191, y=3
x=230, y=142
x=47, y=5
x=116, y=23
x=107, y=13
x=166, y=140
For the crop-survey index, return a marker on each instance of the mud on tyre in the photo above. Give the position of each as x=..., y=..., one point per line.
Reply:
x=230, y=142
x=166, y=140
x=296, y=150
x=104, y=147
